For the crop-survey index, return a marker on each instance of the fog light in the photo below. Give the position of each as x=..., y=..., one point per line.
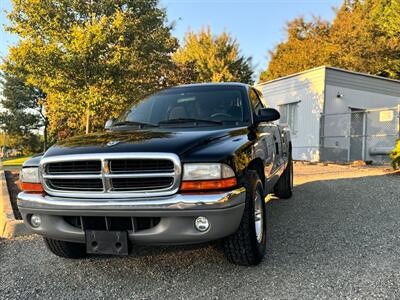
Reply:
x=35, y=221
x=201, y=224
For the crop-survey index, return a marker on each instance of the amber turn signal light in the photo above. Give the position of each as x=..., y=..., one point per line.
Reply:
x=32, y=187
x=208, y=184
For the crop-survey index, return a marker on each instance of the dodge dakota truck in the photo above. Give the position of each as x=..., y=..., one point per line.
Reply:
x=189, y=164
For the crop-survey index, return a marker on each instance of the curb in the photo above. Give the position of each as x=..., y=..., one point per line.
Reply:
x=9, y=226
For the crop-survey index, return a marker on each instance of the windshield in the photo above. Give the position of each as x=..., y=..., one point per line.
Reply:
x=209, y=105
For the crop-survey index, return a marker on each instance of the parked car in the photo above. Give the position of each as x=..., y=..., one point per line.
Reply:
x=189, y=164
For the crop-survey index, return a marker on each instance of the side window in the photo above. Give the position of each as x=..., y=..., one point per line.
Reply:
x=289, y=116
x=261, y=96
x=255, y=101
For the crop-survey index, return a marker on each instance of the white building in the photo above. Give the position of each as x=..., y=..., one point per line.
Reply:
x=337, y=115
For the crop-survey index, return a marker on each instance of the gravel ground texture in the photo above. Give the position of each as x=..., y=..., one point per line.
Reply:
x=337, y=237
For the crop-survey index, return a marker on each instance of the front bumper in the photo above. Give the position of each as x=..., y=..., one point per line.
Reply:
x=176, y=214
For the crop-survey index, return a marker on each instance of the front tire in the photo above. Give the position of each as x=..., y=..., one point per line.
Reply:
x=247, y=245
x=66, y=249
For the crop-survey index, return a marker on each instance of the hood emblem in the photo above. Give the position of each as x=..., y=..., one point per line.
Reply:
x=112, y=143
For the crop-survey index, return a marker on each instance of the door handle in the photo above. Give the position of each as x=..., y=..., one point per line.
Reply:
x=277, y=148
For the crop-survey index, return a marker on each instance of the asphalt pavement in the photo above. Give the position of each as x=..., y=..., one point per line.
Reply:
x=335, y=238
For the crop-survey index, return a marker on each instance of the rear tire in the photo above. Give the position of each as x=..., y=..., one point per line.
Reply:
x=247, y=245
x=66, y=249
x=284, y=187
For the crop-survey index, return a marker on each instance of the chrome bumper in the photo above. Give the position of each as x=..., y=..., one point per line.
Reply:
x=177, y=214
x=175, y=202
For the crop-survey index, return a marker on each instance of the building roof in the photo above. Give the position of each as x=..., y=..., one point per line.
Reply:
x=330, y=68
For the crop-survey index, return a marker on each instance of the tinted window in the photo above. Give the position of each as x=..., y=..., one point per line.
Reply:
x=224, y=104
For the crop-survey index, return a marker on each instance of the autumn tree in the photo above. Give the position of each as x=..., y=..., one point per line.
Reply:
x=360, y=40
x=214, y=58
x=305, y=48
x=363, y=37
x=385, y=17
x=91, y=58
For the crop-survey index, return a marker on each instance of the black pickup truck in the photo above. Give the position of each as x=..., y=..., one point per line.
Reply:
x=189, y=164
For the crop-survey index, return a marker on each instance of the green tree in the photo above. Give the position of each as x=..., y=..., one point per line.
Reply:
x=19, y=103
x=363, y=37
x=91, y=58
x=215, y=58
x=22, y=113
x=385, y=20
x=386, y=16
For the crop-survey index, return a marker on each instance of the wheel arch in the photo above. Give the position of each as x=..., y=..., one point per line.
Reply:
x=258, y=166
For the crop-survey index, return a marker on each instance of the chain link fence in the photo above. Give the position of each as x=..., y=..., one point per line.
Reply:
x=360, y=134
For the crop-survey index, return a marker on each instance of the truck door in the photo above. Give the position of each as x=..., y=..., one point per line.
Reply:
x=284, y=143
x=269, y=139
x=277, y=144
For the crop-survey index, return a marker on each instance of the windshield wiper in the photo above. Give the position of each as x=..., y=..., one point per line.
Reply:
x=188, y=120
x=134, y=123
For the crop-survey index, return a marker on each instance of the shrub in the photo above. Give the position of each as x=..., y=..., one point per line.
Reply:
x=395, y=156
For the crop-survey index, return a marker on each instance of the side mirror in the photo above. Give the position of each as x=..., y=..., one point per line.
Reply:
x=109, y=124
x=267, y=115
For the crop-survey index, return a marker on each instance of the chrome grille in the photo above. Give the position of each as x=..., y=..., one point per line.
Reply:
x=141, y=165
x=112, y=175
x=74, y=167
x=76, y=184
x=133, y=184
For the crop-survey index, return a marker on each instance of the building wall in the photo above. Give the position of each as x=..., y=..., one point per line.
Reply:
x=307, y=90
x=356, y=91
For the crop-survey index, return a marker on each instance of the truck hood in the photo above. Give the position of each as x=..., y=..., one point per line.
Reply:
x=154, y=140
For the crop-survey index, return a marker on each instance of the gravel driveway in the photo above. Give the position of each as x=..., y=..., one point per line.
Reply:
x=338, y=237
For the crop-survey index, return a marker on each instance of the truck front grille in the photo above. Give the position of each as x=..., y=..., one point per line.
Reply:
x=74, y=167
x=122, y=166
x=112, y=175
x=134, y=184
x=76, y=184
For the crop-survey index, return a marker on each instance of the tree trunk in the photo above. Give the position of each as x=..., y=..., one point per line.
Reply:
x=45, y=138
x=87, y=121
x=5, y=144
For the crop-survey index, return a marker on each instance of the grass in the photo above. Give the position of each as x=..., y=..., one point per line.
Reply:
x=15, y=161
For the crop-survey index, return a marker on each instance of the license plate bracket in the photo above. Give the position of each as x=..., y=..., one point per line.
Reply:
x=106, y=242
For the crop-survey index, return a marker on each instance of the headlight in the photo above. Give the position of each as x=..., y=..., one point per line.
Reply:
x=30, y=181
x=30, y=175
x=206, y=171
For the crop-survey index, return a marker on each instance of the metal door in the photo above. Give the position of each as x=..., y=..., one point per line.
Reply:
x=357, y=121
